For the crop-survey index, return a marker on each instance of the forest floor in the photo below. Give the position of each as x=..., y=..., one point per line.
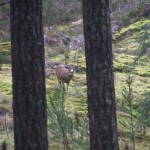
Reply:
x=125, y=46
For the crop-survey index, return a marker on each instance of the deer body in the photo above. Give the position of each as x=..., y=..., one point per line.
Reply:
x=64, y=74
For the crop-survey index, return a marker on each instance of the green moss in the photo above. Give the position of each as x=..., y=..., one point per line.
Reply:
x=139, y=71
x=75, y=58
x=5, y=52
x=5, y=109
x=5, y=84
x=5, y=48
x=134, y=30
x=76, y=101
x=62, y=27
x=122, y=62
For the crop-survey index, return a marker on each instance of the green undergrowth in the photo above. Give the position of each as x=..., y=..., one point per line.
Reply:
x=125, y=45
x=5, y=84
x=76, y=100
x=5, y=48
x=128, y=37
x=5, y=89
x=133, y=30
x=125, y=63
x=71, y=29
x=136, y=13
x=75, y=58
x=5, y=53
x=142, y=142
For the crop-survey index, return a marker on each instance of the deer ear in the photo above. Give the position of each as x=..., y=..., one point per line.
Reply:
x=67, y=67
x=75, y=68
x=54, y=65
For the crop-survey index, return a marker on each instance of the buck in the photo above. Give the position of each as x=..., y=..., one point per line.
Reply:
x=64, y=74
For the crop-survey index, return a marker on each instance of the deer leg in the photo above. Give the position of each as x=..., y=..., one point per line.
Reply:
x=67, y=89
x=60, y=83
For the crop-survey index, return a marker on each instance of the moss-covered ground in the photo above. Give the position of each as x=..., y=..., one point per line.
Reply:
x=76, y=101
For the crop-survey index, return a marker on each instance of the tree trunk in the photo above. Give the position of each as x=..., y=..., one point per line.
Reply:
x=29, y=102
x=100, y=79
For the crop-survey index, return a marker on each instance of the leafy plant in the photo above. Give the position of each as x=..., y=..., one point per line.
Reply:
x=59, y=11
x=127, y=107
x=143, y=119
x=68, y=129
x=144, y=46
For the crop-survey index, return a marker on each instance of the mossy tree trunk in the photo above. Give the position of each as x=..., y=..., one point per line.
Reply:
x=100, y=79
x=29, y=102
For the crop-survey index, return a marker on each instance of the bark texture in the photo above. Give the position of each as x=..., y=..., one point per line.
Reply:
x=29, y=102
x=100, y=79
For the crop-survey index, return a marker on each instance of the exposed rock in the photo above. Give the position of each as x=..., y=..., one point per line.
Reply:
x=115, y=29
x=80, y=21
x=66, y=40
x=50, y=40
x=74, y=43
x=50, y=64
x=80, y=40
x=49, y=68
x=49, y=72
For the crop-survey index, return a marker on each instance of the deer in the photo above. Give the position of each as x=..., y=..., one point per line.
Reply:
x=64, y=74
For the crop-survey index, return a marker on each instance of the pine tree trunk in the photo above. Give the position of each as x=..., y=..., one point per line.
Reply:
x=100, y=79
x=29, y=102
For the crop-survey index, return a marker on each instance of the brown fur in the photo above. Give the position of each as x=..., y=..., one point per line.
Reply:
x=64, y=74
x=4, y=147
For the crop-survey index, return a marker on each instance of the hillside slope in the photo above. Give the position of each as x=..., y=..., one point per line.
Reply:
x=128, y=42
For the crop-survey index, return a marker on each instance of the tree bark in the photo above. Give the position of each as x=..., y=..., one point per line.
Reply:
x=27, y=50
x=100, y=79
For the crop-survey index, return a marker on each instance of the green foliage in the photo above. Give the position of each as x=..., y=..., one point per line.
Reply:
x=128, y=11
x=5, y=48
x=4, y=53
x=60, y=11
x=122, y=62
x=143, y=119
x=143, y=47
x=127, y=107
x=135, y=14
x=5, y=85
x=65, y=127
x=66, y=54
x=125, y=20
x=133, y=29
x=4, y=37
x=137, y=11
